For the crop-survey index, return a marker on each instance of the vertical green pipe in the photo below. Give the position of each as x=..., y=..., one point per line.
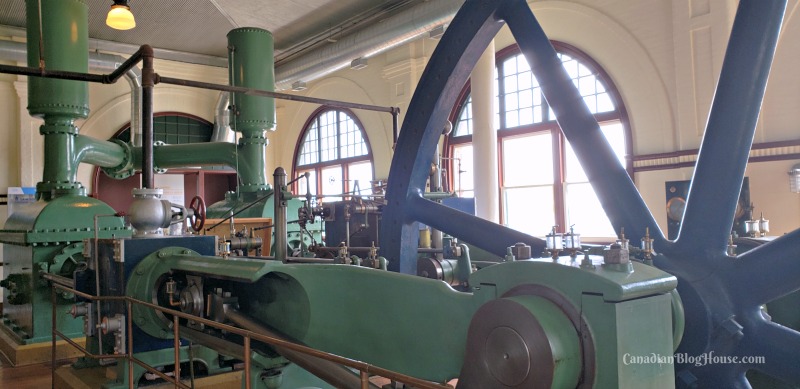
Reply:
x=60, y=42
x=250, y=62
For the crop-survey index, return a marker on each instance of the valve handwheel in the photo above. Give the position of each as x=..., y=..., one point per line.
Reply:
x=722, y=295
x=198, y=218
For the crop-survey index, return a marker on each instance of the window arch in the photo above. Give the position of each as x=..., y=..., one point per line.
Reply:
x=174, y=128
x=557, y=192
x=333, y=149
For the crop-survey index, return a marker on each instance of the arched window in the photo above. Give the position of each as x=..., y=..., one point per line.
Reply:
x=556, y=191
x=175, y=128
x=334, y=150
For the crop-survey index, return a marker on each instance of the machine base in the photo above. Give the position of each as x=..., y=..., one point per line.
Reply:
x=29, y=354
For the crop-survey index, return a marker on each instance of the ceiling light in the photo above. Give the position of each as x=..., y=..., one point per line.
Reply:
x=120, y=16
x=437, y=32
x=358, y=63
x=298, y=86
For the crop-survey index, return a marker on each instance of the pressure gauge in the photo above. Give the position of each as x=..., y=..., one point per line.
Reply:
x=675, y=207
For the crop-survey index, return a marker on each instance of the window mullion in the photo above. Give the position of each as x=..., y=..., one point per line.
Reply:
x=501, y=100
x=319, y=139
x=500, y=178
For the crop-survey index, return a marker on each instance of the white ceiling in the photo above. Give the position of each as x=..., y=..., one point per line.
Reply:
x=200, y=26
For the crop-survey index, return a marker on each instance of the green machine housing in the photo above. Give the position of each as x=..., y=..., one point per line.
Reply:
x=582, y=321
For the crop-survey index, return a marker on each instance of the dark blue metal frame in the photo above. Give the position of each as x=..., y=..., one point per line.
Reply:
x=722, y=295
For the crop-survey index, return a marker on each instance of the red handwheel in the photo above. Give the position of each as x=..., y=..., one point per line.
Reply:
x=198, y=218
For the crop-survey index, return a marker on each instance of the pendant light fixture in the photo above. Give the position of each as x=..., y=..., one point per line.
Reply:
x=120, y=16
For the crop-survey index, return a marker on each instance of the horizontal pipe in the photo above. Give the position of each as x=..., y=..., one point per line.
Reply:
x=60, y=74
x=17, y=51
x=277, y=95
x=77, y=76
x=309, y=260
x=349, y=248
x=68, y=282
x=188, y=155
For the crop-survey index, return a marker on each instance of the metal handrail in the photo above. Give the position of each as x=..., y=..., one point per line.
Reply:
x=364, y=368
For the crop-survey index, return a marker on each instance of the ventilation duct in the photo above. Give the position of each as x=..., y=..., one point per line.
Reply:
x=404, y=27
x=222, y=120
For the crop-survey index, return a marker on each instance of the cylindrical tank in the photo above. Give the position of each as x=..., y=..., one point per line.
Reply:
x=65, y=47
x=250, y=60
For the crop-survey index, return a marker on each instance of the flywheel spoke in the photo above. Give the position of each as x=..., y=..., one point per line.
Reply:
x=779, y=347
x=718, y=174
x=482, y=233
x=770, y=271
x=448, y=70
x=618, y=195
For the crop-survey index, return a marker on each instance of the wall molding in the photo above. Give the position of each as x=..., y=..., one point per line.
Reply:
x=760, y=152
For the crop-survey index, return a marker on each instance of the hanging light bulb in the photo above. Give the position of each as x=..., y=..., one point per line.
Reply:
x=120, y=16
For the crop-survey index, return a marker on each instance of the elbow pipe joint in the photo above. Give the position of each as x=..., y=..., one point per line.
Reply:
x=124, y=169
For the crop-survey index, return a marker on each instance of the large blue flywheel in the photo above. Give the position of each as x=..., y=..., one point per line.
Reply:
x=722, y=294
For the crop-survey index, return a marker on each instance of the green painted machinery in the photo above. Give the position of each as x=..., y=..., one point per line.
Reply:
x=529, y=323
x=250, y=59
x=47, y=236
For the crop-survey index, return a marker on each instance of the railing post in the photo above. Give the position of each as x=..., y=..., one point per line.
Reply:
x=364, y=380
x=177, y=345
x=53, y=321
x=130, y=343
x=247, y=367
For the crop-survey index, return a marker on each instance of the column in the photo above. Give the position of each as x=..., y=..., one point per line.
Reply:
x=484, y=138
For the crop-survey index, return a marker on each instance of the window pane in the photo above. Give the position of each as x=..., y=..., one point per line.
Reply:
x=604, y=103
x=510, y=66
x=530, y=210
x=312, y=182
x=615, y=135
x=464, y=123
x=586, y=85
x=332, y=182
x=328, y=136
x=589, y=86
x=360, y=175
x=528, y=160
x=522, y=97
x=525, y=116
x=350, y=138
x=463, y=177
x=584, y=211
x=512, y=102
x=309, y=152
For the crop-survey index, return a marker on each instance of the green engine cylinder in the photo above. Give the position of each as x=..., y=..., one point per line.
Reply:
x=65, y=46
x=250, y=59
x=250, y=64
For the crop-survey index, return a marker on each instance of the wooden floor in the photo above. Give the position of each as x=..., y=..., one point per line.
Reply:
x=26, y=377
